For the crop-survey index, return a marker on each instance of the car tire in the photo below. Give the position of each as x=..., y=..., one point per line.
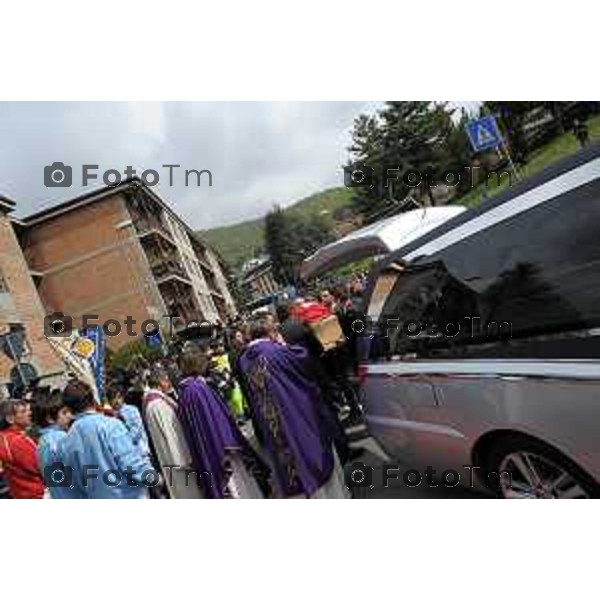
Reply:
x=536, y=470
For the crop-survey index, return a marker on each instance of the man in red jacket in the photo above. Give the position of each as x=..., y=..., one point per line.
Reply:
x=18, y=452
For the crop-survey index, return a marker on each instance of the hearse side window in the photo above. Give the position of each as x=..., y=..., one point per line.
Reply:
x=423, y=309
x=409, y=304
x=533, y=277
x=538, y=271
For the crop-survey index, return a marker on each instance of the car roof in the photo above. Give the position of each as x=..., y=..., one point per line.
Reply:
x=411, y=250
x=552, y=172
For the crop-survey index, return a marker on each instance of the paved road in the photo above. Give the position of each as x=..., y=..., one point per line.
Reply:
x=374, y=457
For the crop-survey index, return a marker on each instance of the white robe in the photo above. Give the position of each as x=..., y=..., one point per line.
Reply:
x=171, y=448
x=242, y=485
x=335, y=488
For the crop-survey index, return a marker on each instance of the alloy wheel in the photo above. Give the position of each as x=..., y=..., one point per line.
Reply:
x=536, y=477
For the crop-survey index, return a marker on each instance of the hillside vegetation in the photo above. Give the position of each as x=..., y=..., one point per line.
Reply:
x=242, y=241
x=552, y=152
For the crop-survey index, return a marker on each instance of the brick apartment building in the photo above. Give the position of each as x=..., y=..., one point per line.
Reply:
x=116, y=252
x=20, y=305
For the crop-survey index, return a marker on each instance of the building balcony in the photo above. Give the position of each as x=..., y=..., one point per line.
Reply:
x=201, y=254
x=149, y=231
x=209, y=277
x=180, y=302
x=172, y=278
x=165, y=269
x=146, y=213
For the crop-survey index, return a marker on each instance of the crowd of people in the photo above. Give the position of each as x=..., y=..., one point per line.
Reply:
x=256, y=410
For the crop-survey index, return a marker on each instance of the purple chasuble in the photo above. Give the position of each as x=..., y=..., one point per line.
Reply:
x=286, y=406
x=211, y=433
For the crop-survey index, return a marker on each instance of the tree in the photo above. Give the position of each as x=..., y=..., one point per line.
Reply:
x=121, y=360
x=310, y=233
x=278, y=243
x=457, y=152
x=367, y=148
x=291, y=237
x=408, y=137
x=512, y=118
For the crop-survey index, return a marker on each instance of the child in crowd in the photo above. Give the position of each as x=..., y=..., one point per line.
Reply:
x=53, y=419
x=131, y=417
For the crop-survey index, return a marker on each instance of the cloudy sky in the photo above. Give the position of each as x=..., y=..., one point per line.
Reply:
x=259, y=153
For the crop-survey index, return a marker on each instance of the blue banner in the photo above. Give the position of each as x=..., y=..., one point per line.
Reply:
x=154, y=340
x=96, y=334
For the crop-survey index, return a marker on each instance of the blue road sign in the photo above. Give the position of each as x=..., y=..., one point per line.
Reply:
x=484, y=133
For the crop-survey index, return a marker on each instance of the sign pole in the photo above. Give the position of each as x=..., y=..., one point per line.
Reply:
x=509, y=157
x=512, y=164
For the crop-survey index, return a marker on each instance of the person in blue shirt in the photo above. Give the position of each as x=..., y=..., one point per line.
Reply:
x=53, y=418
x=132, y=418
x=100, y=458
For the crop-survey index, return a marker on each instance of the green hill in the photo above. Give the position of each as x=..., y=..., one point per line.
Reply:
x=242, y=241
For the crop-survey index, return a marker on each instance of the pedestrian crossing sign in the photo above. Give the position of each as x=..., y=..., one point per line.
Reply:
x=484, y=133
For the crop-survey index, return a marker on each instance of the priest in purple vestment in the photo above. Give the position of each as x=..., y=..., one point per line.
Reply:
x=287, y=411
x=226, y=465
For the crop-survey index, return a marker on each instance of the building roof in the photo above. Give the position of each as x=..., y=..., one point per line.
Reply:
x=101, y=193
x=94, y=195
x=105, y=192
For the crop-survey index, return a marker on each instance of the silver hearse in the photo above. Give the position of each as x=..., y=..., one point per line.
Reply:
x=484, y=348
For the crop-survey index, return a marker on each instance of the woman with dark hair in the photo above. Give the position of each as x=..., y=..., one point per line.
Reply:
x=226, y=465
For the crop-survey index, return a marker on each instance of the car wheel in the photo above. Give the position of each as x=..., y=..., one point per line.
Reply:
x=520, y=467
